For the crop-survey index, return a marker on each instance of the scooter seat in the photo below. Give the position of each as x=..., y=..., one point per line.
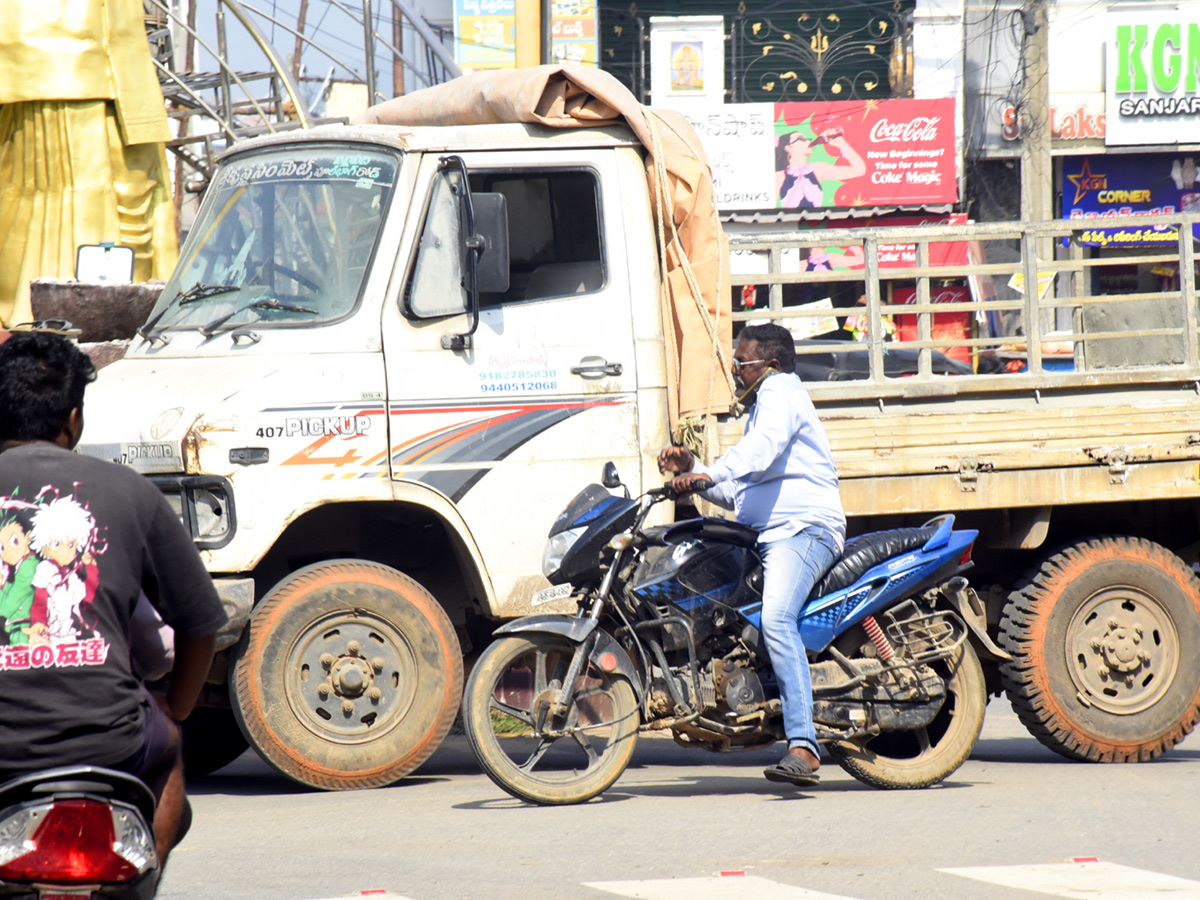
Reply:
x=94, y=781
x=867, y=550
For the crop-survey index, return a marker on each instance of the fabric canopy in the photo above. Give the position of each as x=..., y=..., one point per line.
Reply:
x=697, y=313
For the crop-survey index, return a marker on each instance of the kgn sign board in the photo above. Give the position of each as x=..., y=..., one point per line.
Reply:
x=1152, y=77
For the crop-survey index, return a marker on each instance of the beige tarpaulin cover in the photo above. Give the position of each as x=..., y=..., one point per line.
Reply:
x=695, y=253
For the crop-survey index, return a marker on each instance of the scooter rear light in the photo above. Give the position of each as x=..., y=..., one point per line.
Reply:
x=66, y=842
x=966, y=557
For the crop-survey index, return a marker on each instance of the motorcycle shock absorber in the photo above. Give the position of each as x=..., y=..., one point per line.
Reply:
x=875, y=633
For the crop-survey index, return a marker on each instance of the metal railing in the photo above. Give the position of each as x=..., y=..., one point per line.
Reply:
x=1098, y=335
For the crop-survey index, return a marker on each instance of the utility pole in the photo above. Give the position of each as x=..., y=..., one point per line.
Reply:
x=1037, y=192
x=301, y=19
x=398, y=43
x=547, y=32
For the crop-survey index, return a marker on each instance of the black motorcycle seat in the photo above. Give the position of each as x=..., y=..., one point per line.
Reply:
x=867, y=550
x=712, y=529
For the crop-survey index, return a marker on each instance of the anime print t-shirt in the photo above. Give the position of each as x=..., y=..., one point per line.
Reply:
x=78, y=538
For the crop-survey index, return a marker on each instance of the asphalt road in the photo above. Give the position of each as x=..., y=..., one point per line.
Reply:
x=689, y=825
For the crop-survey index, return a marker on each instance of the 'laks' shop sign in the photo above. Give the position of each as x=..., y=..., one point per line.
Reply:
x=841, y=154
x=1136, y=184
x=1151, y=79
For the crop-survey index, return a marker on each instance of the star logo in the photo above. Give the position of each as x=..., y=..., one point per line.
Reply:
x=1086, y=181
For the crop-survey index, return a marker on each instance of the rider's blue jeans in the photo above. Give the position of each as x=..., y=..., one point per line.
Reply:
x=790, y=569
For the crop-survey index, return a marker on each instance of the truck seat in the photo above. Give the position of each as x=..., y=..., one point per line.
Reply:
x=561, y=279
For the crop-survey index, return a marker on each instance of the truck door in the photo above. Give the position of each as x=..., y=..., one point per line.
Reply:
x=513, y=427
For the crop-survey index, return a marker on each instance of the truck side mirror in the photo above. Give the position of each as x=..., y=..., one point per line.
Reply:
x=491, y=224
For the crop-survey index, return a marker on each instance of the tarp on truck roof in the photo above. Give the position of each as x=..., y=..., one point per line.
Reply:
x=692, y=245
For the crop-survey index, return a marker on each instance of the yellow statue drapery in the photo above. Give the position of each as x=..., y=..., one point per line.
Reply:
x=82, y=127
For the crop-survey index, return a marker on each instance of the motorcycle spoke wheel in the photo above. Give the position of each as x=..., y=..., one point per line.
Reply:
x=925, y=756
x=528, y=750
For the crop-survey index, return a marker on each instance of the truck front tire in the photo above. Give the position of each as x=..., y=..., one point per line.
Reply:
x=1103, y=637
x=349, y=676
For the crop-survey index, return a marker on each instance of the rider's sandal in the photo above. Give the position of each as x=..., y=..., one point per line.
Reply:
x=792, y=770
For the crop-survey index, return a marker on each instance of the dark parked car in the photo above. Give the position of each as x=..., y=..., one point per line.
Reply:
x=848, y=361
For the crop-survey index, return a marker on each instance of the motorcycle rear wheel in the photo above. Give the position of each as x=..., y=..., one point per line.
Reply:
x=531, y=754
x=918, y=759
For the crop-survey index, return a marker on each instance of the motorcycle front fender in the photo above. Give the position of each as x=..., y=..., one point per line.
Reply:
x=606, y=653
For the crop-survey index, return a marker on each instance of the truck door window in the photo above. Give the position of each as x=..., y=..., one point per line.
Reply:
x=554, y=233
x=438, y=284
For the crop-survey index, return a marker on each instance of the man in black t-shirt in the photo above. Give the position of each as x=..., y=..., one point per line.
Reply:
x=82, y=537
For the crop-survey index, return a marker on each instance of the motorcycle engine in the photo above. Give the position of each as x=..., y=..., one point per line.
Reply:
x=740, y=687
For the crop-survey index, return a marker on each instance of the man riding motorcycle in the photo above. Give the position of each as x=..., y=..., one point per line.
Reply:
x=780, y=480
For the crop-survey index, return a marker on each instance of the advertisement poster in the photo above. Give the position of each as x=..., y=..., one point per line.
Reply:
x=485, y=33
x=1151, y=91
x=845, y=154
x=947, y=326
x=687, y=61
x=737, y=141
x=1100, y=187
x=864, y=153
x=849, y=259
x=574, y=32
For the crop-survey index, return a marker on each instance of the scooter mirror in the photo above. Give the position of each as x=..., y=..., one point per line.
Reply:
x=610, y=478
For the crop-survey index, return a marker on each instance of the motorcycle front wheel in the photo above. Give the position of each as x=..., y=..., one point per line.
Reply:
x=924, y=757
x=528, y=750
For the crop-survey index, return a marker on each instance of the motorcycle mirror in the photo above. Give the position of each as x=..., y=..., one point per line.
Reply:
x=610, y=478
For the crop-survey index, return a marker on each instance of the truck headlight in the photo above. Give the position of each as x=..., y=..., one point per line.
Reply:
x=204, y=504
x=557, y=547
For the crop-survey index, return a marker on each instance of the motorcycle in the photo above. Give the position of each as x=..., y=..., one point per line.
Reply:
x=77, y=833
x=667, y=637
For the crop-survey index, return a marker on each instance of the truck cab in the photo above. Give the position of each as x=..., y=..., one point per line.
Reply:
x=386, y=359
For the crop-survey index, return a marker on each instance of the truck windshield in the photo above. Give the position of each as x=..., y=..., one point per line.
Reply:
x=284, y=238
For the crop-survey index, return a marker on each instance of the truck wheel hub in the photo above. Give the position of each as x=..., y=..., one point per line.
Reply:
x=1122, y=650
x=351, y=677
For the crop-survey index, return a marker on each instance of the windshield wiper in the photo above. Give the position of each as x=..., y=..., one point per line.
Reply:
x=266, y=303
x=197, y=291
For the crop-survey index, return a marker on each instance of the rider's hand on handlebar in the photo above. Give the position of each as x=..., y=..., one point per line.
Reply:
x=675, y=459
x=690, y=482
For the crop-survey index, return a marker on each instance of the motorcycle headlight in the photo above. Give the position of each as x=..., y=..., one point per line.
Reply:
x=557, y=547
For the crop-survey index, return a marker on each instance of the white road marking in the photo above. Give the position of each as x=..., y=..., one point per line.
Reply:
x=371, y=895
x=1093, y=880
x=732, y=887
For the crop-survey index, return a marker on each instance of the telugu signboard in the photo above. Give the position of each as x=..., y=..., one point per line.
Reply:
x=485, y=33
x=829, y=155
x=573, y=30
x=1136, y=184
x=1152, y=93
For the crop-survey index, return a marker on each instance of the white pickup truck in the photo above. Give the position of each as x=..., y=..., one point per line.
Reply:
x=389, y=356
x=362, y=454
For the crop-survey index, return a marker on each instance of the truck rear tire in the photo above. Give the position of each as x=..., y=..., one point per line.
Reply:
x=1104, y=638
x=350, y=676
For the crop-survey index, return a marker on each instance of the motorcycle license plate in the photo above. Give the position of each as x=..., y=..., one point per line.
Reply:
x=550, y=594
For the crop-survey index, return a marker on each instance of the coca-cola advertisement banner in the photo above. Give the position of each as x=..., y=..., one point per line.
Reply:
x=864, y=153
x=835, y=155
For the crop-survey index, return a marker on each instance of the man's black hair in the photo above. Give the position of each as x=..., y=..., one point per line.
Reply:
x=774, y=342
x=42, y=378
